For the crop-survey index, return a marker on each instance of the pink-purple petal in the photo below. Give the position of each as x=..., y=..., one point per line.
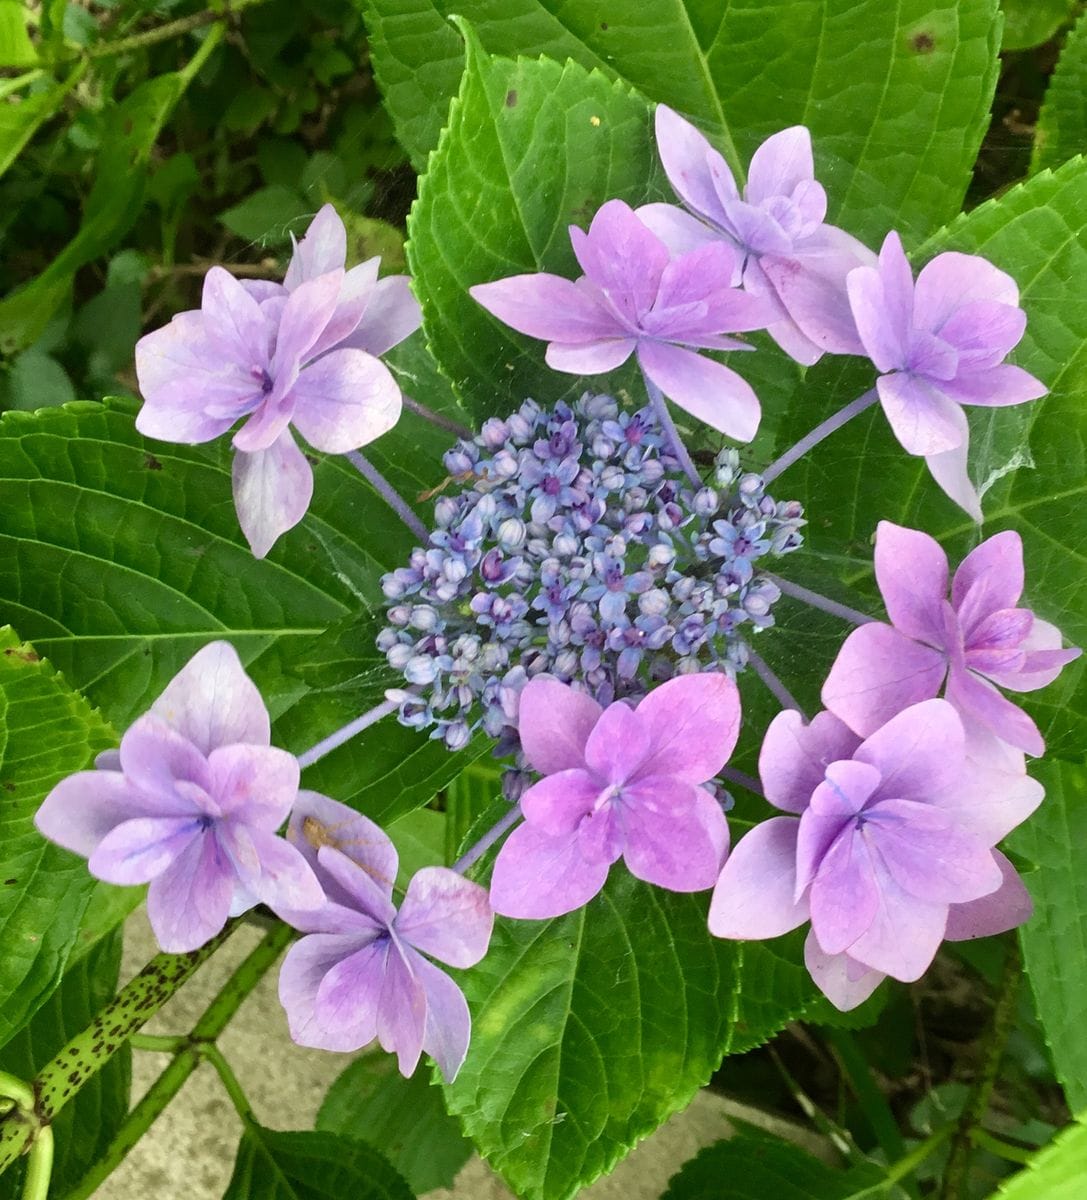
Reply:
x=446, y=916
x=692, y=723
x=348, y=1017
x=795, y=755
x=554, y=723
x=754, y=896
x=995, y=387
x=952, y=280
x=845, y=983
x=686, y=156
x=345, y=400
x=812, y=289
x=254, y=784
x=676, y=835
x=155, y=757
x=781, y=164
x=188, y=904
x=844, y=895
x=918, y=753
x=234, y=325
x=1006, y=908
x=989, y=578
x=922, y=416
x=623, y=258
x=538, y=876
x=323, y=248
x=359, y=887
x=980, y=700
x=548, y=307
x=391, y=315
x=712, y=393
x=1043, y=659
x=81, y=809
x=912, y=574
x=271, y=869
x=904, y=934
x=677, y=229
x=272, y=491
x=557, y=803
x=137, y=851
x=951, y=472
x=618, y=744
x=401, y=1010
x=589, y=358
x=448, y=1024
x=307, y=313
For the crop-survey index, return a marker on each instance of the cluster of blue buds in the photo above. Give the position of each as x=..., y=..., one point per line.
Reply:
x=578, y=548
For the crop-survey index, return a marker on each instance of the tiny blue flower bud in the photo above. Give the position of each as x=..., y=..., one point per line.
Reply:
x=706, y=502
x=445, y=511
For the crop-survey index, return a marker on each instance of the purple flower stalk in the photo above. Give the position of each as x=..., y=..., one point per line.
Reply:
x=786, y=254
x=618, y=782
x=635, y=299
x=977, y=639
x=363, y=971
x=299, y=354
x=887, y=848
x=938, y=344
x=191, y=805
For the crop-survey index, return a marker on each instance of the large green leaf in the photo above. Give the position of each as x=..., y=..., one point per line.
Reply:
x=592, y=1028
x=273, y=1165
x=88, y=1122
x=1030, y=22
x=1061, y=132
x=1056, y=1173
x=1054, y=940
x=896, y=96
x=46, y=733
x=1031, y=459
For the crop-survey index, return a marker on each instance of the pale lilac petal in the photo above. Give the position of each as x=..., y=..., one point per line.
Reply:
x=695, y=300
x=989, y=578
x=269, y=420
x=554, y=723
x=538, y=876
x=918, y=753
x=780, y=165
x=213, y=702
x=903, y=935
x=345, y=400
x=401, y=1010
x=951, y=472
x=263, y=290
x=676, y=834
x=446, y=916
x=928, y=855
x=692, y=723
x=137, y=851
x=677, y=229
x=362, y=891
x=995, y=794
x=923, y=418
x=707, y=390
x=996, y=387
x=912, y=574
x=79, y=812
x=235, y=327
x=356, y=293
x=309, y=309
x=1009, y=906
x=548, y=307
x=352, y=1009
x=812, y=289
x=983, y=332
x=795, y=755
x=589, y=358
x=189, y=902
x=448, y=1025
x=952, y=280
x=878, y=673
x=835, y=977
x=755, y=228
x=600, y=836
x=618, y=744
x=984, y=703
x=347, y=1006
x=754, y=894
x=686, y=156
x=323, y=248
x=896, y=276
x=835, y=803
x=155, y=758
x=885, y=343
x=623, y=258
x=557, y=803
x=844, y=895
x=391, y=315
x=254, y=784
x=1044, y=659
x=271, y=869
x=272, y=491
x=317, y=821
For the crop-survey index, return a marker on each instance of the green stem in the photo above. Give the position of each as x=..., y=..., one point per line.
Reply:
x=230, y=1082
x=984, y=1140
x=907, y=1164
x=977, y=1103
x=188, y=1052
x=873, y=1103
x=88, y=1052
x=165, y=33
x=39, y=1166
x=158, y=1043
x=841, y=1139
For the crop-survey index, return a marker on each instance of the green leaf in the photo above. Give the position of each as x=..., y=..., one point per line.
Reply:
x=88, y=1122
x=37, y=380
x=268, y=216
x=1056, y=1172
x=21, y=119
x=754, y=1166
x=590, y=1029
x=46, y=733
x=16, y=48
x=405, y=1117
x=1054, y=940
x=1061, y=132
x=272, y=1165
x=896, y=96
x=1031, y=22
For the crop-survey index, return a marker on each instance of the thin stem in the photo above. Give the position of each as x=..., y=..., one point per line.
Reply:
x=817, y=600
x=872, y=1100
x=741, y=779
x=39, y=1166
x=474, y=853
x=330, y=743
x=442, y=422
x=230, y=1083
x=660, y=407
x=841, y=1139
x=186, y=1059
x=389, y=494
x=20, y=1094
x=908, y=1163
x=821, y=431
x=977, y=1103
x=164, y=33
x=781, y=693
x=168, y=1043
x=984, y=1140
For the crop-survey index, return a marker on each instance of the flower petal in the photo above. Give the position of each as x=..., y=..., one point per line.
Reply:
x=235, y=327
x=255, y=785
x=272, y=491
x=1044, y=659
x=155, y=758
x=953, y=280
x=391, y=315
x=904, y=934
x=446, y=916
x=951, y=473
x=623, y=258
x=1010, y=905
x=912, y=573
x=271, y=869
x=844, y=895
x=189, y=902
x=360, y=889
x=919, y=753
x=922, y=416
x=836, y=977
x=548, y=307
x=686, y=156
x=80, y=810
x=347, y=1019
x=617, y=745
x=137, y=851
x=780, y=165
x=345, y=400
x=996, y=387
x=589, y=358
x=558, y=803
x=795, y=755
x=538, y=876
x=448, y=1026
x=812, y=289
x=754, y=894
x=676, y=834
x=677, y=229
x=554, y=723
x=356, y=292
x=401, y=1010
x=323, y=248
x=317, y=821
x=989, y=578
x=692, y=723
x=707, y=390
x=980, y=700
x=307, y=313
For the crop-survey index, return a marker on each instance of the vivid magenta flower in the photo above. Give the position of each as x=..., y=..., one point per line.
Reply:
x=275, y=356
x=786, y=254
x=362, y=971
x=635, y=299
x=977, y=639
x=939, y=344
x=618, y=782
x=192, y=807
x=888, y=848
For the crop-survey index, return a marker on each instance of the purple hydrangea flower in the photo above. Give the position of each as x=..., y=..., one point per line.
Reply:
x=635, y=299
x=618, y=782
x=192, y=807
x=787, y=255
x=888, y=848
x=272, y=356
x=977, y=639
x=363, y=971
x=938, y=344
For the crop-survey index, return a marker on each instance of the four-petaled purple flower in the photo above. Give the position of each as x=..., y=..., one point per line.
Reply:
x=787, y=255
x=938, y=344
x=618, y=782
x=362, y=972
x=193, y=807
x=635, y=298
x=272, y=355
x=888, y=853
x=977, y=639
